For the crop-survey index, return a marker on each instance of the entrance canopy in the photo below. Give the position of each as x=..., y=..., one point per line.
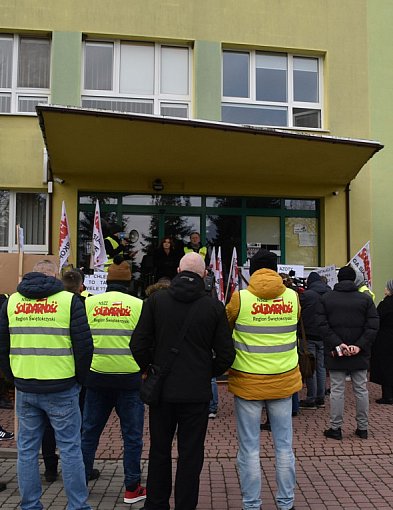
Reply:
x=102, y=143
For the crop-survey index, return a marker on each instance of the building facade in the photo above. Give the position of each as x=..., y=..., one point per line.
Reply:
x=261, y=112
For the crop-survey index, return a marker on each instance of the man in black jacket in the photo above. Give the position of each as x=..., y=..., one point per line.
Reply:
x=349, y=322
x=309, y=302
x=46, y=349
x=206, y=351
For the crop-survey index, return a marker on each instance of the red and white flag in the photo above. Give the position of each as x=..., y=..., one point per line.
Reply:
x=98, y=253
x=233, y=283
x=219, y=277
x=64, y=238
x=362, y=263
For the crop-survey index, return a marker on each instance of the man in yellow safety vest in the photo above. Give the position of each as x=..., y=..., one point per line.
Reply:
x=265, y=374
x=46, y=349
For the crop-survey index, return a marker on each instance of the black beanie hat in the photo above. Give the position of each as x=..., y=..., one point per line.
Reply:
x=313, y=277
x=263, y=259
x=346, y=273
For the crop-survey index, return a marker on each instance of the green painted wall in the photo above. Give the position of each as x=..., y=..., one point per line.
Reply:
x=380, y=56
x=207, y=80
x=66, y=68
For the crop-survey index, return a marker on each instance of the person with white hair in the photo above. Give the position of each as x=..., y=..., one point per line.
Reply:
x=185, y=320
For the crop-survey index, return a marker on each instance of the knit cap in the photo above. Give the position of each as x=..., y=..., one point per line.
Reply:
x=346, y=273
x=119, y=271
x=263, y=259
x=313, y=277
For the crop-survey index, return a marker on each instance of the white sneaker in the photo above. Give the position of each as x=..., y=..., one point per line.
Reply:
x=212, y=415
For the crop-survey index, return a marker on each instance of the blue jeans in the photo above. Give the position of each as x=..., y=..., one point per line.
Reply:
x=316, y=383
x=213, y=405
x=130, y=410
x=62, y=409
x=248, y=419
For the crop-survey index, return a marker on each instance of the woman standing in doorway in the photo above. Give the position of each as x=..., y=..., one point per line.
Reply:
x=166, y=260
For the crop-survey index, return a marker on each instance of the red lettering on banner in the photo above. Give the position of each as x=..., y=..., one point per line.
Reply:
x=278, y=307
x=116, y=310
x=366, y=261
x=41, y=306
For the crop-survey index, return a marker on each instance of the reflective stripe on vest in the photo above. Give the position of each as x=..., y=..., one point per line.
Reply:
x=41, y=345
x=112, y=318
x=202, y=251
x=115, y=245
x=265, y=334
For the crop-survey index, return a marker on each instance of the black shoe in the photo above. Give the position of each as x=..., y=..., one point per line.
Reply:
x=94, y=474
x=4, y=435
x=363, y=434
x=306, y=404
x=388, y=401
x=266, y=426
x=3, y=486
x=51, y=476
x=295, y=413
x=320, y=403
x=333, y=433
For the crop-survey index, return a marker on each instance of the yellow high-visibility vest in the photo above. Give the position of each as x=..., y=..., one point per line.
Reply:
x=112, y=318
x=115, y=245
x=40, y=342
x=265, y=334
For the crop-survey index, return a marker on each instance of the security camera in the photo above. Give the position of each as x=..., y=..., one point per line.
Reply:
x=58, y=180
x=335, y=193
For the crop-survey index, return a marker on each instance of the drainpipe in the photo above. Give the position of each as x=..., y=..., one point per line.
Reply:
x=50, y=209
x=348, y=220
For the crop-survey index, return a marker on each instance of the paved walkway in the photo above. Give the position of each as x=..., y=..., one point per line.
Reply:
x=331, y=475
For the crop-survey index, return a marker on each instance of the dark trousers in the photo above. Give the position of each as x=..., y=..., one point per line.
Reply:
x=191, y=423
x=387, y=392
x=49, y=449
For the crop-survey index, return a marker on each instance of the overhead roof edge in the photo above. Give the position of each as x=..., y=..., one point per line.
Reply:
x=208, y=124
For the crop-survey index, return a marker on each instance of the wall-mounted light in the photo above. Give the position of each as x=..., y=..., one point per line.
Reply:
x=157, y=185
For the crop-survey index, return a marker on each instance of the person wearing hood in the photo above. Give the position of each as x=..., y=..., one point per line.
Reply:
x=309, y=302
x=349, y=323
x=361, y=284
x=114, y=378
x=46, y=349
x=205, y=351
x=265, y=374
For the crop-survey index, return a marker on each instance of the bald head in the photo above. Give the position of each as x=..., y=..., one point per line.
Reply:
x=46, y=267
x=193, y=262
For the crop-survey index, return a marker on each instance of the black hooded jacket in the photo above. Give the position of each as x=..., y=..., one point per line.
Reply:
x=35, y=286
x=310, y=302
x=208, y=332
x=350, y=317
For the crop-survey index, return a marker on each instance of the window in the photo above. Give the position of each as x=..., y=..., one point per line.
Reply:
x=137, y=78
x=24, y=73
x=30, y=211
x=271, y=89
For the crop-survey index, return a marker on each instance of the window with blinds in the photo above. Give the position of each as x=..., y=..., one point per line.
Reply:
x=137, y=78
x=24, y=73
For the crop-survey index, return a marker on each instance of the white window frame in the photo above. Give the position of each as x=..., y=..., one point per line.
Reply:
x=157, y=97
x=12, y=241
x=291, y=104
x=15, y=91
